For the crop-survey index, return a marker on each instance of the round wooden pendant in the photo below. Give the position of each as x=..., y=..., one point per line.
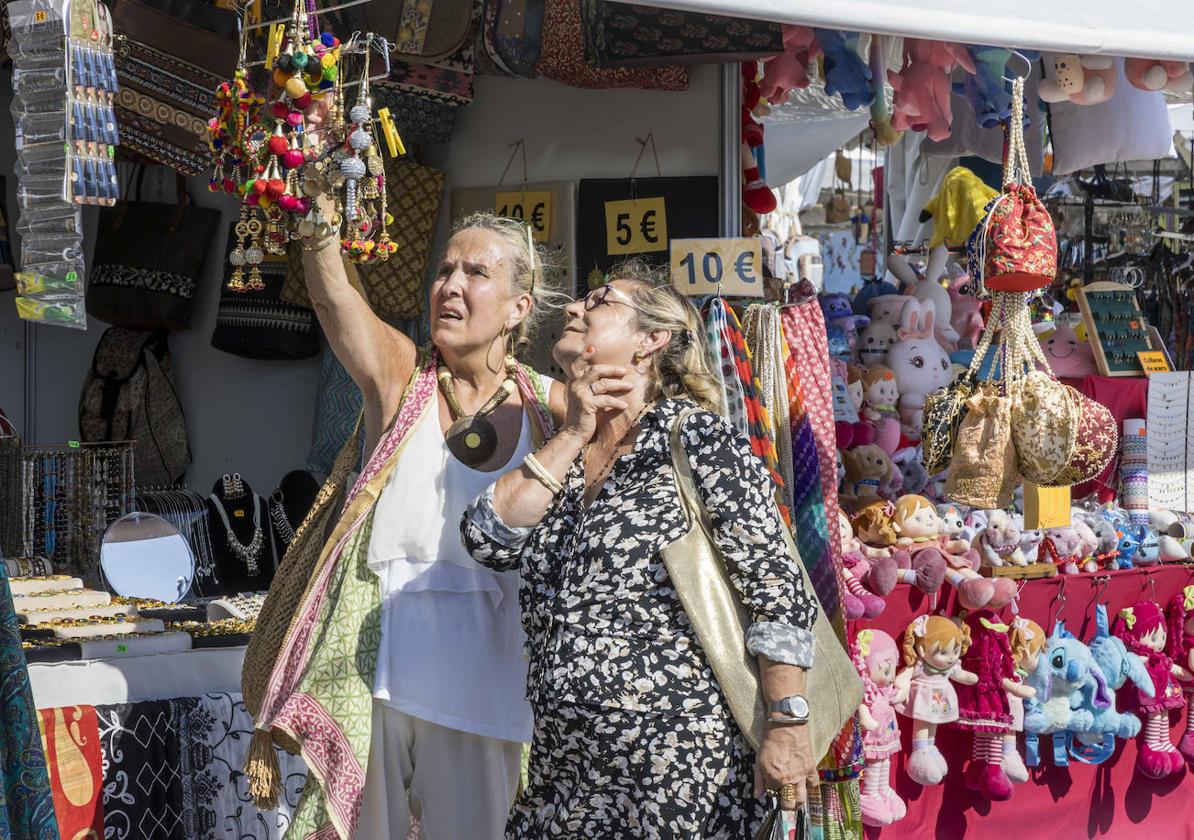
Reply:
x=473, y=440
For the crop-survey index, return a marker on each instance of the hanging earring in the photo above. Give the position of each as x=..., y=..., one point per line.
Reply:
x=637, y=358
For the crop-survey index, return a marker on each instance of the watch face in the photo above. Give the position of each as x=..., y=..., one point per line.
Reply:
x=799, y=706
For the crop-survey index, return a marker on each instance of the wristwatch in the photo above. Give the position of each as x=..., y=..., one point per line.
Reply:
x=792, y=709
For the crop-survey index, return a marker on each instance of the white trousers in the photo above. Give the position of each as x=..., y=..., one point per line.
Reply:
x=457, y=785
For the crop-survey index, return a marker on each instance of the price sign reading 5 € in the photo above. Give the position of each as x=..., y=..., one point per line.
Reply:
x=718, y=266
x=534, y=208
x=635, y=226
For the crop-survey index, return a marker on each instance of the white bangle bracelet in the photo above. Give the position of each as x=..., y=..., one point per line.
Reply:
x=540, y=472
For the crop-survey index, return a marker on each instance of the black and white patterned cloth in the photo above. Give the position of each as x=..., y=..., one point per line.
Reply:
x=616, y=674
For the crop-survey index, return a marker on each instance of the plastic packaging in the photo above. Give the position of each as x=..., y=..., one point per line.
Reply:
x=59, y=313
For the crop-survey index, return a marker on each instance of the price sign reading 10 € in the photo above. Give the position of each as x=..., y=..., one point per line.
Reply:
x=718, y=266
x=635, y=226
x=534, y=208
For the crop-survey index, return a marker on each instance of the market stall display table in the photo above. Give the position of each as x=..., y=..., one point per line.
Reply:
x=1111, y=800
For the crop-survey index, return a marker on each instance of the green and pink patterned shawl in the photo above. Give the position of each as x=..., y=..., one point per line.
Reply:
x=321, y=690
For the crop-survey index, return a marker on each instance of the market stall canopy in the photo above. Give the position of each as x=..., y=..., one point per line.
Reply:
x=1144, y=28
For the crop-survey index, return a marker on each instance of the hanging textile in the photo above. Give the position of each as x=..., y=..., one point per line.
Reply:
x=764, y=338
x=733, y=401
x=26, y=804
x=143, y=799
x=71, y=738
x=757, y=420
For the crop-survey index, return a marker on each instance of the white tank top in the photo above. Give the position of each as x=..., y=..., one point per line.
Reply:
x=451, y=643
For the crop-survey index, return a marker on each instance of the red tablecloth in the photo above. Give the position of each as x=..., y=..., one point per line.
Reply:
x=1109, y=800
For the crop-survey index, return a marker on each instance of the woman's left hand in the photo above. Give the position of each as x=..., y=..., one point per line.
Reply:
x=786, y=758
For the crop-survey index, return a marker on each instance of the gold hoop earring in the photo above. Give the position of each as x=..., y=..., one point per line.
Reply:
x=637, y=358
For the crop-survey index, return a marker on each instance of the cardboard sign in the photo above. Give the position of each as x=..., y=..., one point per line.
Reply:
x=1153, y=361
x=635, y=226
x=1046, y=507
x=731, y=267
x=534, y=208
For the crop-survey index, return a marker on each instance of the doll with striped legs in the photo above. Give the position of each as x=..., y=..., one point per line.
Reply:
x=1142, y=628
x=876, y=657
x=1028, y=640
x=1180, y=648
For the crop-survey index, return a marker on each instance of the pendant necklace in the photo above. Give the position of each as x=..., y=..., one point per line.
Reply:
x=250, y=553
x=471, y=437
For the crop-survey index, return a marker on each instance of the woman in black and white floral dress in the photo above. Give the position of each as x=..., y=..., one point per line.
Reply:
x=632, y=738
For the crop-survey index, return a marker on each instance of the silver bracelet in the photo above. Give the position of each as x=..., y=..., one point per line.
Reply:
x=540, y=472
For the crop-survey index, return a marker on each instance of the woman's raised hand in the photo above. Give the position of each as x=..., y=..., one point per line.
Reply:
x=593, y=389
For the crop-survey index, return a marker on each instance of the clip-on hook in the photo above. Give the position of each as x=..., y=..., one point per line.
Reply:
x=1057, y=604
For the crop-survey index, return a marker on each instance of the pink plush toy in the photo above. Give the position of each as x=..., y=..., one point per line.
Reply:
x=1154, y=74
x=1142, y=628
x=933, y=647
x=859, y=602
x=1081, y=79
x=983, y=706
x=1180, y=647
x=1069, y=357
x=789, y=71
x=922, y=88
x=1062, y=547
x=968, y=314
x=876, y=657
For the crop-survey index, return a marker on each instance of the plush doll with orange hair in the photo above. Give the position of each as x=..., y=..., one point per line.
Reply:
x=933, y=647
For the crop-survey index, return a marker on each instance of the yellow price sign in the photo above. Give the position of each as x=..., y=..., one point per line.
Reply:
x=718, y=267
x=1153, y=361
x=534, y=208
x=1046, y=507
x=39, y=16
x=635, y=226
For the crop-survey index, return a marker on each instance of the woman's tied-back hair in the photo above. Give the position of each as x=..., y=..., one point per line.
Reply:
x=533, y=271
x=682, y=367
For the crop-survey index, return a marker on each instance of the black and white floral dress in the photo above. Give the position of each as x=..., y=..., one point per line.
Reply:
x=632, y=738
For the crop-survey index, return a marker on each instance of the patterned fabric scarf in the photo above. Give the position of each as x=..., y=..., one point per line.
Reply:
x=733, y=400
x=320, y=693
x=764, y=338
x=758, y=421
x=26, y=804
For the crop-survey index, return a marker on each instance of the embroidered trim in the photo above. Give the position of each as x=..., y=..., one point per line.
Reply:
x=111, y=274
x=277, y=316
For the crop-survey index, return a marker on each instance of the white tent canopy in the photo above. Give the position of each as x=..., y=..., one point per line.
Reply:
x=1145, y=28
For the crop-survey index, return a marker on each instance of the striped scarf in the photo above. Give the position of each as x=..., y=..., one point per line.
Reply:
x=758, y=421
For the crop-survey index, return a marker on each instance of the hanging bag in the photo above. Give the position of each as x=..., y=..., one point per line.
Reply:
x=149, y=259
x=1015, y=246
x=698, y=573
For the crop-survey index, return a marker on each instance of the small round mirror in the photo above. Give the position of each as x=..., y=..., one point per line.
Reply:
x=144, y=556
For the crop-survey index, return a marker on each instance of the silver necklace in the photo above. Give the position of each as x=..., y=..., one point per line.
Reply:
x=277, y=515
x=248, y=554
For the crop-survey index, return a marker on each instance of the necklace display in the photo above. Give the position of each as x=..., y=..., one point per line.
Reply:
x=471, y=438
x=248, y=554
x=277, y=515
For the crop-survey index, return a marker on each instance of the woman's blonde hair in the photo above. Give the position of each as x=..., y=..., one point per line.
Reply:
x=533, y=271
x=681, y=368
x=934, y=630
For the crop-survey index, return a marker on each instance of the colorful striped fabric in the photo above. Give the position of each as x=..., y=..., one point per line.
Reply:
x=757, y=420
x=717, y=330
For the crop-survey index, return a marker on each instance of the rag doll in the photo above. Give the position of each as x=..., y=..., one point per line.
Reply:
x=932, y=647
x=1142, y=628
x=755, y=193
x=999, y=542
x=1061, y=546
x=1180, y=647
x=1028, y=640
x=921, y=530
x=877, y=536
x=880, y=395
x=983, y=707
x=876, y=657
x=858, y=601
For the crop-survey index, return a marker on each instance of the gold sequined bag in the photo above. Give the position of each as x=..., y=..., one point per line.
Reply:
x=982, y=471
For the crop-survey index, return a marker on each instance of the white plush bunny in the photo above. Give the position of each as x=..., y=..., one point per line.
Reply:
x=921, y=365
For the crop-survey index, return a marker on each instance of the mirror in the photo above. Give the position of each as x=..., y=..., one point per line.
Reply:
x=144, y=556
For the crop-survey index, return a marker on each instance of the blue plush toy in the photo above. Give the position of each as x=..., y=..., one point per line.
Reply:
x=846, y=74
x=1129, y=544
x=872, y=289
x=1066, y=674
x=986, y=90
x=1149, y=552
x=1118, y=665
